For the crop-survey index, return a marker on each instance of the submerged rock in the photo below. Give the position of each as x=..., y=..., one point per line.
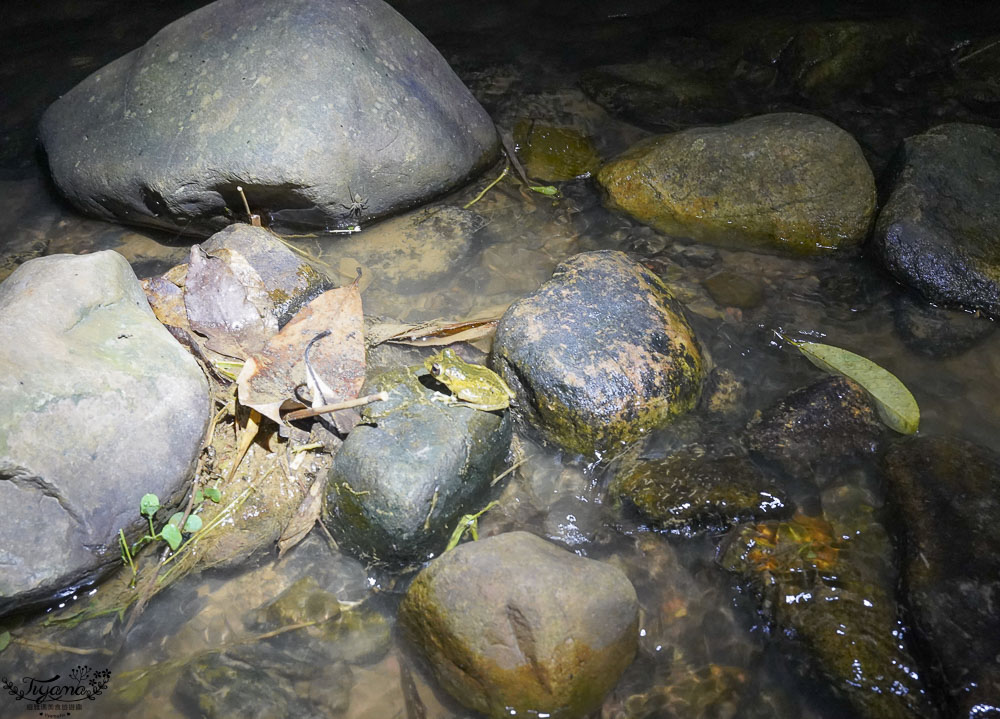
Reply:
x=946, y=495
x=404, y=477
x=660, y=94
x=599, y=354
x=219, y=685
x=552, y=153
x=781, y=182
x=938, y=231
x=412, y=253
x=813, y=430
x=373, y=122
x=688, y=492
x=514, y=624
x=937, y=332
x=98, y=406
x=829, y=586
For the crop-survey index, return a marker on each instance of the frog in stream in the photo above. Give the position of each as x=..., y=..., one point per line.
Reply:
x=471, y=385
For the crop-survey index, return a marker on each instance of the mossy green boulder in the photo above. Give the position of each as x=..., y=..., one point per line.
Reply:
x=600, y=354
x=781, y=182
x=516, y=624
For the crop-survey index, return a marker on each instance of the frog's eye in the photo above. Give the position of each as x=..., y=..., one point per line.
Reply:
x=436, y=369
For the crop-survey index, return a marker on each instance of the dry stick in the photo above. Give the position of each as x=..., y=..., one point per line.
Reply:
x=347, y=404
x=254, y=219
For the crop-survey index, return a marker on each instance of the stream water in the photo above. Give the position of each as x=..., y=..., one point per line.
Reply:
x=700, y=635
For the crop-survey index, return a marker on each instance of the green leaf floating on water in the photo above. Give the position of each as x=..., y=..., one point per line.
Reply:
x=896, y=405
x=4, y=640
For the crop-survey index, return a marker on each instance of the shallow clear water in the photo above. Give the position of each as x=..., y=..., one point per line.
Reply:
x=522, y=58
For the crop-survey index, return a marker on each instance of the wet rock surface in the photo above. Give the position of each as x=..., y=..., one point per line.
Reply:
x=601, y=353
x=937, y=332
x=404, y=476
x=162, y=136
x=937, y=231
x=781, y=182
x=116, y=409
x=513, y=622
x=828, y=585
x=814, y=430
x=688, y=492
x=945, y=494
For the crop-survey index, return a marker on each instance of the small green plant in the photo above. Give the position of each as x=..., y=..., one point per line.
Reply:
x=171, y=532
x=468, y=523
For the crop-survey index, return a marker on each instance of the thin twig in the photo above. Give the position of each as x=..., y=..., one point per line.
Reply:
x=346, y=404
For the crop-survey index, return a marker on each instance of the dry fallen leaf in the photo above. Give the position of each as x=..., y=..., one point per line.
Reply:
x=220, y=294
x=331, y=328
x=167, y=301
x=305, y=517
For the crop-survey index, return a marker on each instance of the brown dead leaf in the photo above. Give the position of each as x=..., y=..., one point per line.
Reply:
x=269, y=378
x=223, y=295
x=305, y=517
x=167, y=301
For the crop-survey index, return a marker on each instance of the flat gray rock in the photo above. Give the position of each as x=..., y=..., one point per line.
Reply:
x=98, y=406
x=305, y=104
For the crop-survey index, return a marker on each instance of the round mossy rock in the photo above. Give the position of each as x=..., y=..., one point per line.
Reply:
x=516, y=624
x=599, y=354
x=784, y=182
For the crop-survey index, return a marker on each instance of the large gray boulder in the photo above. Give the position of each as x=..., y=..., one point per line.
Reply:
x=304, y=103
x=98, y=406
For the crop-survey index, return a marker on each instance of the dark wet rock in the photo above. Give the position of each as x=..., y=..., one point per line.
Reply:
x=98, y=406
x=780, y=182
x=814, y=430
x=413, y=467
x=937, y=232
x=515, y=623
x=573, y=523
x=833, y=59
x=162, y=136
x=732, y=289
x=554, y=154
x=945, y=494
x=218, y=686
x=412, y=253
x=829, y=586
x=659, y=94
x=600, y=354
x=937, y=332
x=689, y=492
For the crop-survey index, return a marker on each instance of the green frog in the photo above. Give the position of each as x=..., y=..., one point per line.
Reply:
x=471, y=385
